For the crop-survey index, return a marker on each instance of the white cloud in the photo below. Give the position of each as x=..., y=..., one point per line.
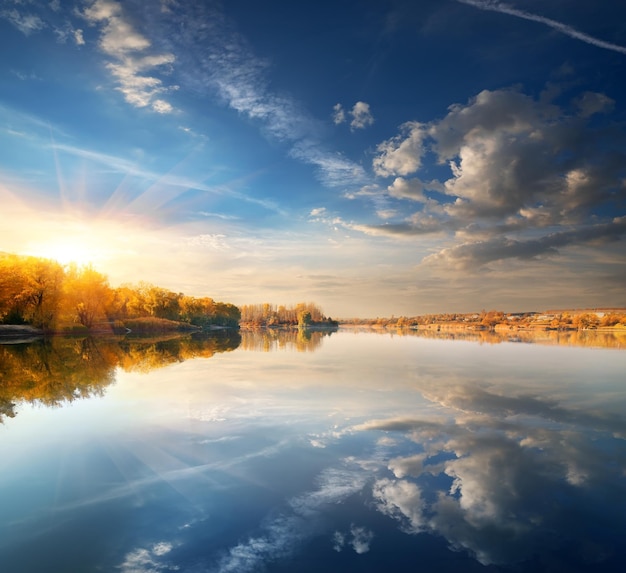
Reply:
x=25, y=23
x=408, y=465
x=402, y=188
x=226, y=64
x=335, y=170
x=280, y=536
x=401, y=499
x=161, y=106
x=147, y=560
x=361, y=539
x=361, y=116
x=132, y=68
x=339, y=540
x=162, y=548
x=506, y=451
x=339, y=115
x=402, y=154
x=386, y=213
x=78, y=37
x=509, y=175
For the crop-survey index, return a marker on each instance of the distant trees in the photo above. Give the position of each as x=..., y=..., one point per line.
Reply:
x=498, y=320
x=304, y=318
x=613, y=319
x=47, y=295
x=266, y=314
x=585, y=320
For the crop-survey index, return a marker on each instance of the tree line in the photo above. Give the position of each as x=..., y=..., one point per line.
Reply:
x=50, y=296
x=497, y=319
x=266, y=314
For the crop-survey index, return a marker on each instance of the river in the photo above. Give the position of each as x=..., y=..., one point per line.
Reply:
x=322, y=451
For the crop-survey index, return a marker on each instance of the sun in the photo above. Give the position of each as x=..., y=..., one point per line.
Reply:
x=65, y=252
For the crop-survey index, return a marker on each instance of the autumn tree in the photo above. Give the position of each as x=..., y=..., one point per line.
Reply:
x=30, y=290
x=41, y=292
x=87, y=295
x=267, y=314
x=585, y=320
x=13, y=292
x=304, y=318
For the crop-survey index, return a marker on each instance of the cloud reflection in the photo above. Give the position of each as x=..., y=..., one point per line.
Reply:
x=301, y=519
x=516, y=476
x=143, y=560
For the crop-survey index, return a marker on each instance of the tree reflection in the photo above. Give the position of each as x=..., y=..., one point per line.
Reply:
x=268, y=339
x=586, y=338
x=59, y=370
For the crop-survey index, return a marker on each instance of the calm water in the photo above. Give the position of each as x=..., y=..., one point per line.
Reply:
x=328, y=452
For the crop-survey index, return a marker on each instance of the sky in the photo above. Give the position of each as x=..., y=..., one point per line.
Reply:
x=375, y=157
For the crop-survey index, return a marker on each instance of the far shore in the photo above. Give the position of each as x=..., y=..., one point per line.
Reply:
x=501, y=328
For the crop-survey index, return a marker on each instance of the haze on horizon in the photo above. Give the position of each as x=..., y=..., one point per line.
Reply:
x=376, y=158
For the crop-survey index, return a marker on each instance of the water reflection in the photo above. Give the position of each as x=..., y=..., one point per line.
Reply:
x=372, y=453
x=614, y=338
x=269, y=339
x=510, y=479
x=60, y=370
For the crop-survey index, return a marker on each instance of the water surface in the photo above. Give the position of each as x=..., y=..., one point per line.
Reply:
x=344, y=451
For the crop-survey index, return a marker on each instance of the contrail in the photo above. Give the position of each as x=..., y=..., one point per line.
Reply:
x=563, y=28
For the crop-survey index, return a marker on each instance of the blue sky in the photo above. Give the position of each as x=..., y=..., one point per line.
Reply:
x=374, y=157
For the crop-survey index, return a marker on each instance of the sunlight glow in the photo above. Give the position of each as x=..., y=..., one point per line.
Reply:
x=65, y=251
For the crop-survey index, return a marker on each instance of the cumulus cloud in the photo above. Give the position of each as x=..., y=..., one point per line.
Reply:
x=408, y=466
x=339, y=114
x=403, y=500
x=402, y=154
x=131, y=65
x=402, y=188
x=527, y=177
x=359, y=538
x=78, y=37
x=361, y=115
